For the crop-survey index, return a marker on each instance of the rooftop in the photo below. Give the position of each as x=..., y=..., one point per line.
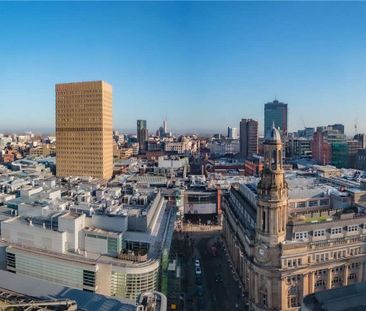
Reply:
x=48, y=291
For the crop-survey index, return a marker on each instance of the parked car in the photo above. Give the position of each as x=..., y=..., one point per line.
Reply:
x=197, y=263
x=198, y=271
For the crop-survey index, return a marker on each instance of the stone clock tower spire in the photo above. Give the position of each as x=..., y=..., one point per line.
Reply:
x=272, y=195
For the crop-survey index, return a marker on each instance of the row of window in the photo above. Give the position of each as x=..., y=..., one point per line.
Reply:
x=294, y=262
x=322, y=232
x=312, y=203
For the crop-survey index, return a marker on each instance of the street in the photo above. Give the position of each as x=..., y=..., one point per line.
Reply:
x=218, y=289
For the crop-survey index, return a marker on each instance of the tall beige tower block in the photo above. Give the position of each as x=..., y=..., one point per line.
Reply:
x=84, y=141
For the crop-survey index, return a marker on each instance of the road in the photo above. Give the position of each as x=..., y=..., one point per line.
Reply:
x=221, y=291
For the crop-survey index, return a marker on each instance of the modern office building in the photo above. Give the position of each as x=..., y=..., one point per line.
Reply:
x=84, y=129
x=361, y=138
x=248, y=137
x=353, y=147
x=288, y=239
x=232, y=133
x=275, y=113
x=337, y=127
x=361, y=159
x=108, y=241
x=329, y=146
x=142, y=134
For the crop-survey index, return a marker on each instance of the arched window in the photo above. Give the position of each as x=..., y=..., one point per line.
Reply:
x=263, y=297
x=293, y=297
x=263, y=221
x=280, y=158
x=274, y=159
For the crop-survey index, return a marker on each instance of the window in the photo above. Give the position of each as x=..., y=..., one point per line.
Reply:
x=337, y=230
x=324, y=202
x=320, y=232
x=313, y=203
x=352, y=228
x=336, y=280
x=89, y=278
x=10, y=260
x=293, y=300
x=352, y=276
x=320, y=284
x=301, y=235
x=301, y=204
x=263, y=298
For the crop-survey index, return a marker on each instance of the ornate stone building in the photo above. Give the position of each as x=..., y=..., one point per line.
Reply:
x=281, y=256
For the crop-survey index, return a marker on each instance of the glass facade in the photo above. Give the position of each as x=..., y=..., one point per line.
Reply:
x=48, y=269
x=340, y=154
x=275, y=113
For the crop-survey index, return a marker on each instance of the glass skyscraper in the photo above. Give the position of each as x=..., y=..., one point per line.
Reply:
x=275, y=113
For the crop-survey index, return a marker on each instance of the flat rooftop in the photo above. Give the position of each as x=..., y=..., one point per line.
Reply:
x=44, y=290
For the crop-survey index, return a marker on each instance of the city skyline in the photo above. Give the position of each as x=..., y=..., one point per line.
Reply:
x=187, y=60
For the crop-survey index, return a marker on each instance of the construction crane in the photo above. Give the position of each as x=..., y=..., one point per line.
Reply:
x=69, y=305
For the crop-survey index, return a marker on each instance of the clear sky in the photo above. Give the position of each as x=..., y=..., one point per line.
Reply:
x=203, y=65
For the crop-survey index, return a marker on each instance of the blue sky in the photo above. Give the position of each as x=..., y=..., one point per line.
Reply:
x=203, y=65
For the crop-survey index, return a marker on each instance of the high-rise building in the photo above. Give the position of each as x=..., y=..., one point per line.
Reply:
x=165, y=126
x=142, y=133
x=232, y=133
x=362, y=140
x=248, y=137
x=321, y=149
x=353, y=146
x=275, y=113
x=84, y=129
x=337, y=127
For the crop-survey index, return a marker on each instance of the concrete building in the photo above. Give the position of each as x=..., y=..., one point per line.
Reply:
x=42, y=151
x=84, y=235
x=275, y=113
x=142, y=134
x=84, y=129
x=253, y=166
x=185, y=145
x=224, y=147
x=248, y=137
x=298, y=147
x=285, y=247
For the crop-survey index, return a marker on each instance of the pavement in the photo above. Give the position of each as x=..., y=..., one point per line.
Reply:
x=220, y=289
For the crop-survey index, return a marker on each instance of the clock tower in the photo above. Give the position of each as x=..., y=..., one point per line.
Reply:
x=272, y=200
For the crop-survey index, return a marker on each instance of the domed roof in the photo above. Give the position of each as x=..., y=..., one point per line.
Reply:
x=273, y=136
